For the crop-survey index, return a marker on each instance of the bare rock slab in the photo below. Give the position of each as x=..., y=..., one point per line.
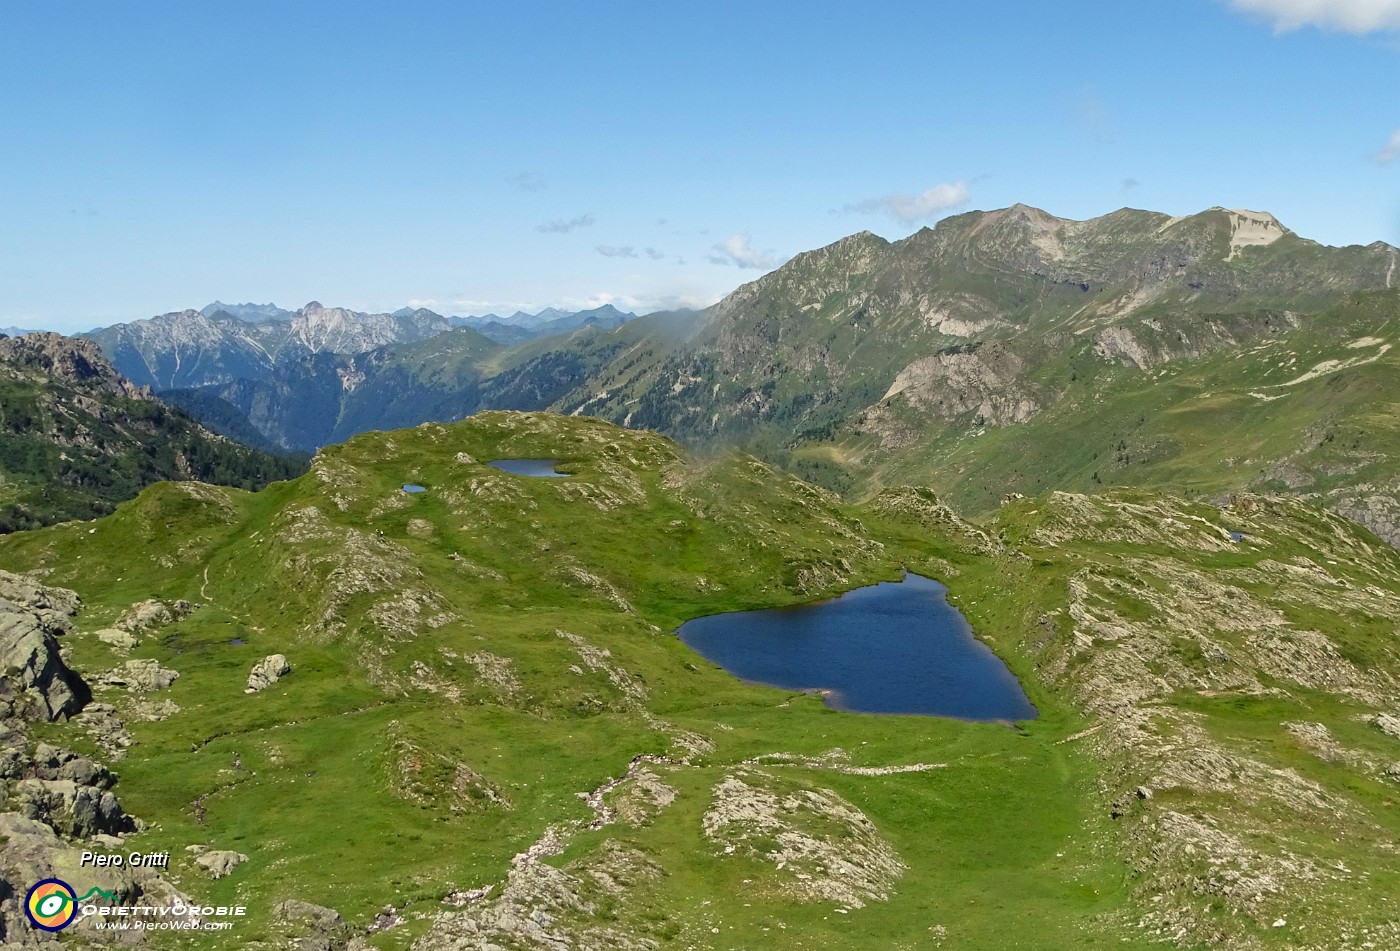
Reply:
x=267, y=672
x=220, y=862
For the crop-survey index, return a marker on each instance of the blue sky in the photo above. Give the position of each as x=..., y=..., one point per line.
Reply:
x=489, y=156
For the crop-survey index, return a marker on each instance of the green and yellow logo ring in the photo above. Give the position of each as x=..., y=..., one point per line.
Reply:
x=51, y=905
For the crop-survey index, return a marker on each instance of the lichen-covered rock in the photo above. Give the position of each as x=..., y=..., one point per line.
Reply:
x=830, y=850
x=140, y=676
x=153, y=613
x=35, y=683
x=70, y=808
x=313, y=927
x=267, y=672
x=116, y=638
x=220, y=862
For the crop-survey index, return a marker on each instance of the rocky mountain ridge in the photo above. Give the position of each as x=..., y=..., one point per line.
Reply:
x=76, y=437
x=223, y=344
x=991, y=344
x=867, y=358
x=249, y=312
x=195, y=349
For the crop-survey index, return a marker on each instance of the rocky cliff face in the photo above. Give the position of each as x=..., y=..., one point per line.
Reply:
x=36, y=683
x=69, y=360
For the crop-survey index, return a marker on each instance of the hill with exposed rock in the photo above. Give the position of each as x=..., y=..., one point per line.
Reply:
x=76, y=437
x=459, y=718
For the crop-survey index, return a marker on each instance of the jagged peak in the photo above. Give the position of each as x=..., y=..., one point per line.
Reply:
x=851, y=243
x=69, y=359
x=1023, y=210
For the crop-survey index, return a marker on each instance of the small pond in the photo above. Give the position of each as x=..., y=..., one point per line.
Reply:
x=894, y=647
x=410, y=487
x=536, y=468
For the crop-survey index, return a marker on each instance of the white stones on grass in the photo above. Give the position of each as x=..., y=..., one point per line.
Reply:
x=267, y=672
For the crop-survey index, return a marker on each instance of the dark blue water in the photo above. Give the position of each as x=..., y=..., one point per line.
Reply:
x=889, y=648
x=537, y=468
x=410, y=487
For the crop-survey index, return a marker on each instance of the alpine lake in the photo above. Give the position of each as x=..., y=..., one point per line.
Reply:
x=891, y=648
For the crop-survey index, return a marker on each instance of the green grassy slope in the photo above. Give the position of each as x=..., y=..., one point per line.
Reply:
x=1307, y=411
x=468, y=662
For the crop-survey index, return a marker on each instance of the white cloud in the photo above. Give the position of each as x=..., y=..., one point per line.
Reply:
x=528, y=182
x=1390, y=151
x=565, y=225
x=910, y=209
x=654, y=254
x=459, y=305
x=641, y=303
x=621, y=251
x=1348, y=16
x=735, y=250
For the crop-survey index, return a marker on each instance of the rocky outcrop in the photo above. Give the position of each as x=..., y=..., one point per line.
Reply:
x=153, y=613
x=313, y=927
x=70, y=360
x=267, y=672
x=1378, y=510
x=828, y=848
x=978, y=379
x=102, y=722
x=35, y=683
x=220, y=862
x=543, y=908
x=140, y=676
x=31, y=851
x=69, y=793
x=71, y=809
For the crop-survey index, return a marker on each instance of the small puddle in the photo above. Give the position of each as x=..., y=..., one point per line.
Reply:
x=894, y=647
x=535, y=468
x=410, y=487
x=237, y=641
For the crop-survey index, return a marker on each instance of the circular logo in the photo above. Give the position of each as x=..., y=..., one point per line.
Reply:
x=51, y=905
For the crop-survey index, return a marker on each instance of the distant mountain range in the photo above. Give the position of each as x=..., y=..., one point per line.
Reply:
x=224, y=343
x=520, y=327
x=1215, y=352
x=253, y=313
x=196, y=349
